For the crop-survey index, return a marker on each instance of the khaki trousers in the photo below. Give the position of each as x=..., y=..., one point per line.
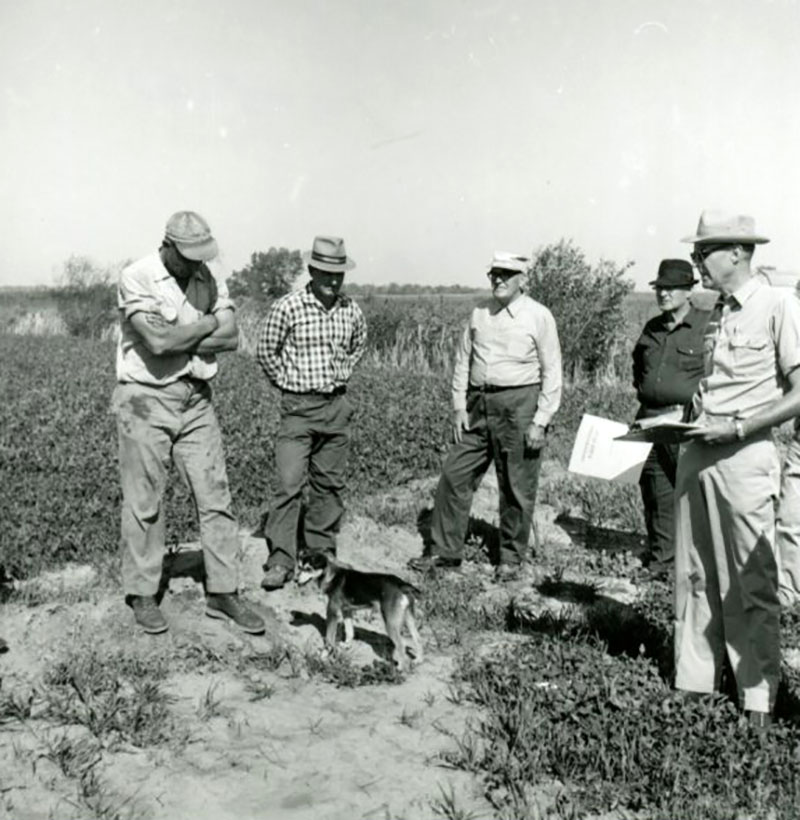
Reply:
x=788, y=527
x=726, y=574
x=155, y=425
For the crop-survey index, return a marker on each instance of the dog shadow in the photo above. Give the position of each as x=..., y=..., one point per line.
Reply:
x=380, y=644
x=181, y=564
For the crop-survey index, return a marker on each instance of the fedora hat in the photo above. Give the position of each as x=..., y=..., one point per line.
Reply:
x=328, y=254
x=674, y=273
x=502, y=260
x=733, y=229
x=190, y=234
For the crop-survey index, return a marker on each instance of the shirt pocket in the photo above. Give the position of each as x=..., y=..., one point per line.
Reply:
x=690, y=357
x=749, y=353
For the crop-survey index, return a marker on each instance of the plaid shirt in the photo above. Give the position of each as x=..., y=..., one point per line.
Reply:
x=303, y=347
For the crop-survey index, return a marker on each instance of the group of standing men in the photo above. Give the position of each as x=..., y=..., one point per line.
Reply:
x=710, y=506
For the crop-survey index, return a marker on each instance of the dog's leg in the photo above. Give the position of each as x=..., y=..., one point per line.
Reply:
x=416, y=640
x=349, y=629
x=332, y=627
x=393, y=617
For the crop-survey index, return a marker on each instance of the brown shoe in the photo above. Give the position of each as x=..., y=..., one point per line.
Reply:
x=228, y=607
x=147, y=614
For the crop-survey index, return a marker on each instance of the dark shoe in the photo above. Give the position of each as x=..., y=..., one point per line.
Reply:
x=147, y=614
x=430, y=563
x=760, y=721
x=276, y=577
x=3, y=646
x=228, y=607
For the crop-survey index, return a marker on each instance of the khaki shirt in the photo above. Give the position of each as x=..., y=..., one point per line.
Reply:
x=508, y=347
x=752, y=343
x=147, y=286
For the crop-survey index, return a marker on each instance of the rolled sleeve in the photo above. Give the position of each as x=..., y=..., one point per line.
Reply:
x=549, y=350
x=786, y=329
x=223, y=300
x=136, y=293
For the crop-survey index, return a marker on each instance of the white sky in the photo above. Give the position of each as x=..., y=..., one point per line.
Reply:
x=428, y=133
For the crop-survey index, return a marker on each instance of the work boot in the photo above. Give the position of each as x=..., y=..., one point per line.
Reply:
x=228, y=607
x=276, y=577
x=147, y=614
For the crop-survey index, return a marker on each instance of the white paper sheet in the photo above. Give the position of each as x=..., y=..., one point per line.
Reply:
x=596, y=453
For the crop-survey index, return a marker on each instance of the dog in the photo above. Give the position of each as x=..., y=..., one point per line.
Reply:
x=349, y=589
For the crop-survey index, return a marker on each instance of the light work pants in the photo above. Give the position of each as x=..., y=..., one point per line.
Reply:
x=726, y=573
x=311, y=448
x=497, y=425
x=788, y=526
x=155, y=425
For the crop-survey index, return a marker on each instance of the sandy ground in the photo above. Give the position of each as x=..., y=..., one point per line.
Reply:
x=307, y=749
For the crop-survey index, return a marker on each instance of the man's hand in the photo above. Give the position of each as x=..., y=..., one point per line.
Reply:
x=720, y=432
x=535, y=436
x=460, y=423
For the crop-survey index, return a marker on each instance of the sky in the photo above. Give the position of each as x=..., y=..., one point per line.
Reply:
x=427, y=133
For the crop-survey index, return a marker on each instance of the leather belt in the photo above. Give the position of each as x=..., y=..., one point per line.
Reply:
x=497, y=388
x=340, y=390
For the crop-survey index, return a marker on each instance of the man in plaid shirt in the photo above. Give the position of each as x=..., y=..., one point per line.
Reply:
x=309, y=344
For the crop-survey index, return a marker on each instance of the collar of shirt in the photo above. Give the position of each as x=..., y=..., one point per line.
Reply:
x=164, y=274
x=309, y=299
x=513, y=307
x=744, y=292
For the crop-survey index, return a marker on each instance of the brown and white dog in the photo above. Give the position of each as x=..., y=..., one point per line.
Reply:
x=349, y=589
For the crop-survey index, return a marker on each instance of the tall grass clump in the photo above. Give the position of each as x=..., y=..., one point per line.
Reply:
x=587, y=303
x=87, y=298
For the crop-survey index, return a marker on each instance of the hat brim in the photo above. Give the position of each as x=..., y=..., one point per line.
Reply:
x=726, y=239
x=329, y=267
x=672, y=285
x=198, y=251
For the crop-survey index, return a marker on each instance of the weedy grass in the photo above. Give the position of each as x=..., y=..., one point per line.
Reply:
x=117, y=696
x=586, y=702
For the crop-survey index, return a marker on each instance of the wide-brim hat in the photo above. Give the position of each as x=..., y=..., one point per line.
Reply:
x=674, y=273
x=328, y=254
x=721, y=227
x=190, y=234
x=515, y=262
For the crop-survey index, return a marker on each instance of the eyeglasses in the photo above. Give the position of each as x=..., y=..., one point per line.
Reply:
x=505, y=275
x=699, y=256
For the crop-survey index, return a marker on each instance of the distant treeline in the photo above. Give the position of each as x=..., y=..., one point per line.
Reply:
x=394, y=289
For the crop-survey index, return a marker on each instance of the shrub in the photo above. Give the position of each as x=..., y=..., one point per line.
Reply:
x=587, y=303
x=87, y=299
x=267, y=276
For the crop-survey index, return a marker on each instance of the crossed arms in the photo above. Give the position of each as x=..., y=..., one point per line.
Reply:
x=212, y=333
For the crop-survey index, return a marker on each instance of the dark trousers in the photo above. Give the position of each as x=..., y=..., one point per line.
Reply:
x=497, y=423
x=657, y=483
x=311, y=447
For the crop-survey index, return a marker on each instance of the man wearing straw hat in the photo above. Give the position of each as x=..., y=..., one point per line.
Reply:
x=175, y=316
x=506, y=389
x=726, y=575
x=309, y=344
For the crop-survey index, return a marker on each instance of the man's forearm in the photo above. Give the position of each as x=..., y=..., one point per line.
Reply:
x=785, y=408
x=219, y=341
x=164, y=339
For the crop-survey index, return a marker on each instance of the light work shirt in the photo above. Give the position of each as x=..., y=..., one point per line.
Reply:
x=147, y=286
x=305, y=348
x=510, y=346
x=752, y=343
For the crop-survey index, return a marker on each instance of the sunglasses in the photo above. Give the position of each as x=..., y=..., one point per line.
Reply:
x=505, y=275
x=699, y=256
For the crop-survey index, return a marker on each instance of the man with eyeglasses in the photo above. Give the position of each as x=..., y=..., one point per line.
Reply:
x=667, y=365
x=175, y=317
x=728, y=478
x=506, y=388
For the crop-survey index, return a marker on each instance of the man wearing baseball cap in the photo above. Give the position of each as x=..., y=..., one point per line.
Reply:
x=506, y=389
x=728, y=478
x=309, y=343
x=667, y=365
x=175, y=316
